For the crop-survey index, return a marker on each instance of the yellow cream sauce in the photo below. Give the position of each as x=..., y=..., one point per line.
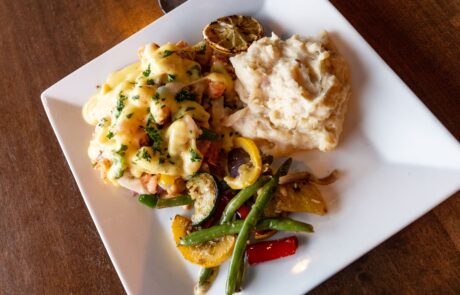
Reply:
x=124, y=104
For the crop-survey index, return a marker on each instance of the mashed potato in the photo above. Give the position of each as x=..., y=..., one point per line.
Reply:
x=295, y=91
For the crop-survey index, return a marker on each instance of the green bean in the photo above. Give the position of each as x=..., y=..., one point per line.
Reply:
x=284, y=224
x=249, y=224
x=217, y=231
x=240, y=275
x=227, y=216
x=240, y=198
x=207, y=276
x=211, y=233
x=283, y=169
x=155, y=201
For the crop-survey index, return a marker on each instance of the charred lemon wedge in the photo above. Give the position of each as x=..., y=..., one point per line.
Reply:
x=208, y=254
x=232, y=34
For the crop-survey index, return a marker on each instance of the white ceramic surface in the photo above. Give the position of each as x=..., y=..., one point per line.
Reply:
x=397, y=160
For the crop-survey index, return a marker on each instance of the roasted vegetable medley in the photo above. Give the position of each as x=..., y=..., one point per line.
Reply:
x=226, y=220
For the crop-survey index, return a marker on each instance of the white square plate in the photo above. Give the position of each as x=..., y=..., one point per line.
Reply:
x=398, y=161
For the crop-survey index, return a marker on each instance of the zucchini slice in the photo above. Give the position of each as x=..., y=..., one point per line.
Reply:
x=204, y=189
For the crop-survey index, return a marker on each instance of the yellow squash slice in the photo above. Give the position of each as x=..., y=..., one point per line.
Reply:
x=302, y=197
x=209, y=254
x=250, y=172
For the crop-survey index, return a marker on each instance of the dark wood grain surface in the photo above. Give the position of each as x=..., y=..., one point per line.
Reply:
x=48, y=242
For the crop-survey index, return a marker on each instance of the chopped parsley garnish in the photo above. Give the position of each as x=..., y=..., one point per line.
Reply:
x=155, y=136
x=146, y=73
x=144, y=154
x=102, y=122
x=150, y=120
x=129, y=115
x=202, y=49
x=120, y=104
x=171, y=77
x=185, y=95
x=161, y=160
x=167, y=53
x=156, y=96
x=110, y=135
x=162, y=106
x=135, y=97
x=171, y=162
x=207, y=134
x=189, y=109
x=150, y=82
x=195, y=157
x=121, y=151
x=194, y=69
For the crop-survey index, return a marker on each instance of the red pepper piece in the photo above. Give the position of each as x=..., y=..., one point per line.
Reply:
x=270, y=250
x=243, y=211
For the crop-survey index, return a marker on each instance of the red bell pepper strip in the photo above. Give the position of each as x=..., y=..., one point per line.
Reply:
x=243, y=211
x=270, y=250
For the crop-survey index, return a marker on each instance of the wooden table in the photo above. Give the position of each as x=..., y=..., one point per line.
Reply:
x=48, y=242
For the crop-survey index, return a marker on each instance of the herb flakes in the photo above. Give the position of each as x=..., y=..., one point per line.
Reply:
x=120, y=103
x=146, y=73
x=171, y=77
x=144, y=154
x=122, y=150
x=185, y=94
x=195, y=157
x=167, y=53
x=155, y=136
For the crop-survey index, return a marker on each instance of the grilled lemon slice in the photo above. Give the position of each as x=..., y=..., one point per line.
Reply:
x=232, y=34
